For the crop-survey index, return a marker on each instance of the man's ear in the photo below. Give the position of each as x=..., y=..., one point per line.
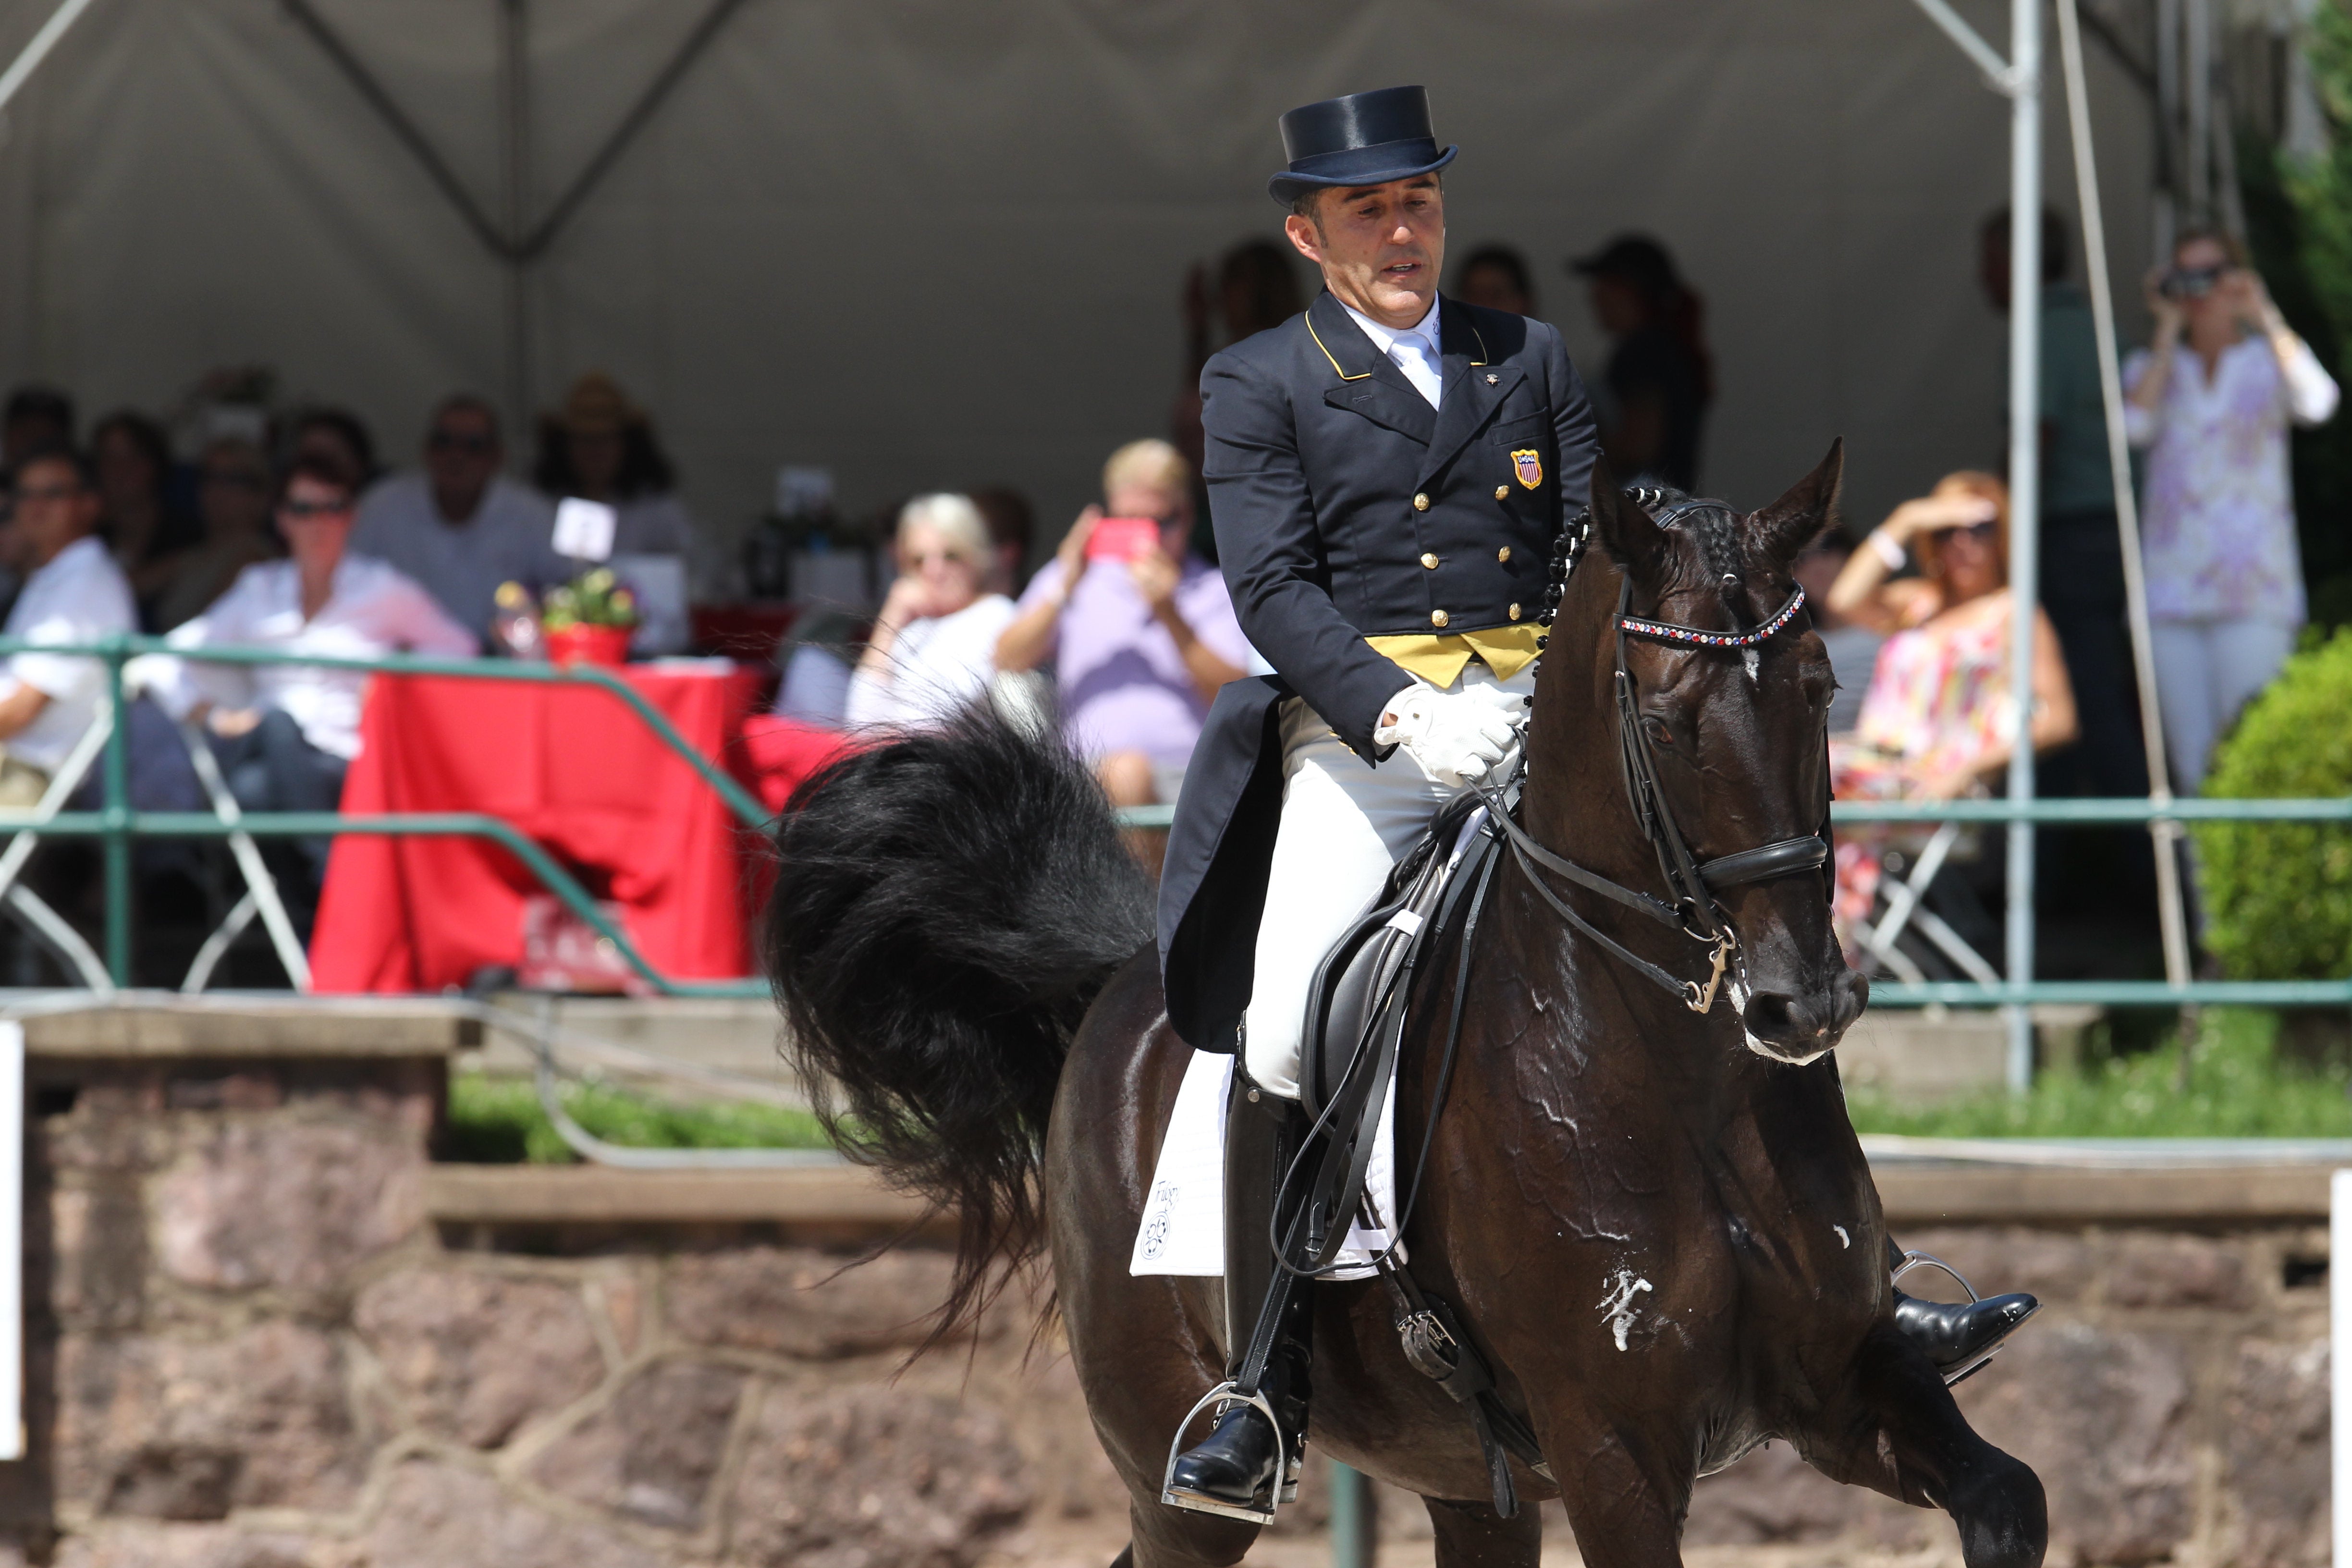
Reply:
x=1778, y=533
x=1629, y=533
x=1304, y=236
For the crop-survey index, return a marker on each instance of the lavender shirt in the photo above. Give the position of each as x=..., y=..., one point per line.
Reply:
x=1123, y=685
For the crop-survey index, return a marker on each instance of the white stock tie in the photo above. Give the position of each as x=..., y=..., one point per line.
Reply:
x=1417, y=358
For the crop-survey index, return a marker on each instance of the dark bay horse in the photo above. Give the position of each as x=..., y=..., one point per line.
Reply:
x=1657, y=1225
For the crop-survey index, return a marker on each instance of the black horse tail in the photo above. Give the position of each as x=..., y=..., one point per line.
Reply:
x=946, y=907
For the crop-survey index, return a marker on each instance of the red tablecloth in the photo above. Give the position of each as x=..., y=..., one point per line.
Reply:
x=572, y=768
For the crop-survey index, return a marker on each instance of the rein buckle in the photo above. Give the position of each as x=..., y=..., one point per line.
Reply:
x=1701, y=998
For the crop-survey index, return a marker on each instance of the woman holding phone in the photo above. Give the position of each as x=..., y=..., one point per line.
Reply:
x=1140, y=631
x=2211, y=402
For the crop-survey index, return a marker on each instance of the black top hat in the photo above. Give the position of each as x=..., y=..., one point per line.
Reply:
x=1363, y=139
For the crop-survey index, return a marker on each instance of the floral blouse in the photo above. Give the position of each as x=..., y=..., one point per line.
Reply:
x=2218, y=507
x=1938, y=701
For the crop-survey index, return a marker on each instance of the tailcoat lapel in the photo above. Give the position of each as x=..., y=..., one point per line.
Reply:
x=1368, y=382
x=1474, y=389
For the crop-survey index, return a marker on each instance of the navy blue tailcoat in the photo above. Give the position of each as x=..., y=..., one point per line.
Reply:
x=1347, y=508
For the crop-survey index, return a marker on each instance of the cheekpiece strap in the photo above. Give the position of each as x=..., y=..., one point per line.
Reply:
x=1696, y=636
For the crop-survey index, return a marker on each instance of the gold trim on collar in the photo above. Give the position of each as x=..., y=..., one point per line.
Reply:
x=1482, y=342
x=1342, y=374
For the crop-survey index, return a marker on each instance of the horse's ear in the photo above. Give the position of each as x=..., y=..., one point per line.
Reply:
x=1777, y=532
x=1630, y=536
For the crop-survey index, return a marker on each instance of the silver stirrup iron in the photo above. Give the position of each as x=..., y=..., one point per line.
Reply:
x=1225, y=1397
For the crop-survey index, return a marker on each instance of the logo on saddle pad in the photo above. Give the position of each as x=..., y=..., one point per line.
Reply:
x=1528, y=464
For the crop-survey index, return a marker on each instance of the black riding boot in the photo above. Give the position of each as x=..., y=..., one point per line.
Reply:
x=1958, y=1336
x=1241, y=1464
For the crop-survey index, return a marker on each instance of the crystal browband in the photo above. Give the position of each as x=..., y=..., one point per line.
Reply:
x=1666, y=631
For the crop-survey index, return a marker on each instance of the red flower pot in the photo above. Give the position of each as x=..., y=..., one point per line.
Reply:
x=607, y=646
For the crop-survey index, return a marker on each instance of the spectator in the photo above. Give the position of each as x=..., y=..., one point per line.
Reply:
x=2211, y=402
x=337, y=436
x=1660, y=377
x=232, y=488
x=1495, y=276
x=284, y=734
x=2082, y=581
x=1255, y=288
x=136, y=518
x=74, y=594
x=933, y=643
x=37, y=418
x=600, y=448
x=459, y=527
x=1936, y=721
x=1140, y=645
x=1011, y=529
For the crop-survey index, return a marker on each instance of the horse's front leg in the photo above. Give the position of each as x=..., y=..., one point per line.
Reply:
x=1894, y=1428
x=1473, y=1535
x=1625, y=1494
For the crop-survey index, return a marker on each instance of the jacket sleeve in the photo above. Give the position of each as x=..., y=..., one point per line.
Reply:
x=1572, y=423
x=1269, y=546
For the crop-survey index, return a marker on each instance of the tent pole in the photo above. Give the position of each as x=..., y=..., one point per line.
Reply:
x=29, y=59
x=2170, y=911
x=2024, y=496
x=514, y=113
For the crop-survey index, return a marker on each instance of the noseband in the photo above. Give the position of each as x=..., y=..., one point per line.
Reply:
x=1692, y=909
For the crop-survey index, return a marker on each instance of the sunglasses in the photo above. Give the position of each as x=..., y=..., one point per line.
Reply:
x=48, y=492
x=1982, y=533
x=947, y=556
x=456, y=441
x=303, y=511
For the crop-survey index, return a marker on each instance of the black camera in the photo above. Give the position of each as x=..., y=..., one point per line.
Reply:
x=2192, y=282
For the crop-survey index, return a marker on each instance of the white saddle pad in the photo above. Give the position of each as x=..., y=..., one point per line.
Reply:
x=1183, y=1228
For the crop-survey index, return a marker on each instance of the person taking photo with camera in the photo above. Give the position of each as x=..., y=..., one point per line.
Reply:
x=2210, y=402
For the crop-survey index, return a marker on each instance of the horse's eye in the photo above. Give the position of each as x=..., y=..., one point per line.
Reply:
x=1659, y=734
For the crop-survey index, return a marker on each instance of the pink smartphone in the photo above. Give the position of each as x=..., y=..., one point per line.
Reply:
x=1123, y=538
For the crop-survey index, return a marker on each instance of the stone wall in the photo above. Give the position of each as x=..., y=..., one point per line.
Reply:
x=257, y=1340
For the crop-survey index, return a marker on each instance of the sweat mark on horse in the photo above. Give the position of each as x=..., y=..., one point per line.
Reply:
x=960, y=947
x=1617, y=1306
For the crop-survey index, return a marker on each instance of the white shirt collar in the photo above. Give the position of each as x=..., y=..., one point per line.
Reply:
x=1386, y=337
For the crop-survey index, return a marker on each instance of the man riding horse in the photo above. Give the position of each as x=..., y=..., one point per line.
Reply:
x=1387, y=477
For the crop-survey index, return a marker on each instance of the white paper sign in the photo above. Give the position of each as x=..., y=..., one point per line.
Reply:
x=583, y=528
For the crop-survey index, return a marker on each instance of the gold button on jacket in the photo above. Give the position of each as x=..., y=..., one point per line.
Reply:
x=1515, y=611
x=1502, y=492
x=1429, y=561
x=1437, y=617
x=1421, y=501
x=1504, y=554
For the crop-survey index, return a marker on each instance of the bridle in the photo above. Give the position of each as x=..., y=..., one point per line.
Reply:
x=1691, y=908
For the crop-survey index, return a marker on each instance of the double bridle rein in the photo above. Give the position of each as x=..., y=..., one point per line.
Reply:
x=1690, y=909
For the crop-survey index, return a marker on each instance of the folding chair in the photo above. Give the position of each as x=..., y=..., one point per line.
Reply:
x=1902, y=908
x=28, y=908
x=260, y=887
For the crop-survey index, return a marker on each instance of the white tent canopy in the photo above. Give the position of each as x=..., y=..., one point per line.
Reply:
x=927, y=243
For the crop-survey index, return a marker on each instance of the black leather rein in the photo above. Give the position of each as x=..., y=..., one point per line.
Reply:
x=1693, y=909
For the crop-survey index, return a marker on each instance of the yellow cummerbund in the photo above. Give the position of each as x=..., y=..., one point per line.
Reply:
x=1438, y=659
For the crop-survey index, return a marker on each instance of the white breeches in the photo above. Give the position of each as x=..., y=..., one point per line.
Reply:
x=1345, y=825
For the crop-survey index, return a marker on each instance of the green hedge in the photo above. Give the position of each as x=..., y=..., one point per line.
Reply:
x=500, y=1121
x=2278, y=895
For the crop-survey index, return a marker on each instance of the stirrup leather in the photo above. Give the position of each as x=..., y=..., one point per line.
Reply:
x=1929, y=1261
x=1223, y=1397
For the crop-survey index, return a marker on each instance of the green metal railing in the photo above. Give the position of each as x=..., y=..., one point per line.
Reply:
x=2125, y=812
x=115, y=825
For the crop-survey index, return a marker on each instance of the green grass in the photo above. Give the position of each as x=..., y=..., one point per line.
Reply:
x=500, y=1122
x=2238, y=1087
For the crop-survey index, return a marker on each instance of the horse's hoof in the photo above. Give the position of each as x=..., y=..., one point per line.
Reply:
x=1234, y=1471
x=1959, y=1337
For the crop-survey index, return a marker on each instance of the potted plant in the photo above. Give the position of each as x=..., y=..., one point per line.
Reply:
x=590, y=620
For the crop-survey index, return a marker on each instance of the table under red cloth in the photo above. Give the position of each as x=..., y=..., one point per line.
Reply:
x=571, y=767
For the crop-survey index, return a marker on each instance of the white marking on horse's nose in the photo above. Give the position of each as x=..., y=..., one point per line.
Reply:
x=1843, y=1239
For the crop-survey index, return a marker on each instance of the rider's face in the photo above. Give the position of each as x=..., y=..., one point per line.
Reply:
x=1380, y=247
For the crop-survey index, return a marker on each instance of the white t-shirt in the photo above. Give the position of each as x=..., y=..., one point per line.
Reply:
x=937, y=666
x=372, y=609
x=79, y=596
x=510, y=538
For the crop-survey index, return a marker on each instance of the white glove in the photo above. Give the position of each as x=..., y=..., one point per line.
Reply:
x=1455, y=736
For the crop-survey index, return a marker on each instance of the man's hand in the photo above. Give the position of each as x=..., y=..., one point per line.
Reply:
x=1455, y=736
x=1072, y=554
x=910, y=599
